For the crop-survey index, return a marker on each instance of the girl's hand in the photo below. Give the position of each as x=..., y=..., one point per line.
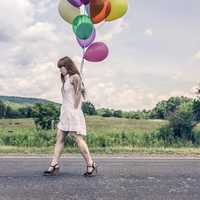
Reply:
x=75, y=105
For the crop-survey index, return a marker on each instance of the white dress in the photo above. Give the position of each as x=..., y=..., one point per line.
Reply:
x=71, y=119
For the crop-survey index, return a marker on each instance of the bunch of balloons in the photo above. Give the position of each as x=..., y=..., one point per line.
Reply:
x=94, y=12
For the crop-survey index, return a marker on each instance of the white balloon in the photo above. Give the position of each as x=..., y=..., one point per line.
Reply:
x=67, y=11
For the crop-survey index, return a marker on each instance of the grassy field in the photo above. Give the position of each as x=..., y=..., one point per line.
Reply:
x=95, y=124
x=11, y=124
x=108, y=125
x=104, y=135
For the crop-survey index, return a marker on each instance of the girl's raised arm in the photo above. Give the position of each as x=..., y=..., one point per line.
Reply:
x=76, y=81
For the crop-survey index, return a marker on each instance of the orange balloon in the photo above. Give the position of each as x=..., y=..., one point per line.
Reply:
x=99, y=10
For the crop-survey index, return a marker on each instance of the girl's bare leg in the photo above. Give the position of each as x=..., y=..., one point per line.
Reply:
x=59, y=146
x=83, y=148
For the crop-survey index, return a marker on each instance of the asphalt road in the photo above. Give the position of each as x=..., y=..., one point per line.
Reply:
x=119, y=178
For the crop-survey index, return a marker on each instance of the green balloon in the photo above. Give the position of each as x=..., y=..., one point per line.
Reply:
x=83, y=27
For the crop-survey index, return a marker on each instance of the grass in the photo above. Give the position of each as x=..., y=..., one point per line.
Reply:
x=108, y=125
x=11, y=124
x=96, y=124
x=104, y=135
x=114, y=150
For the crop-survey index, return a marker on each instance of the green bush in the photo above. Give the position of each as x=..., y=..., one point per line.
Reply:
x=44, y=115
x=181, y=122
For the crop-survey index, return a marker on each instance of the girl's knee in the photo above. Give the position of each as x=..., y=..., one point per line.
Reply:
x=60, y=136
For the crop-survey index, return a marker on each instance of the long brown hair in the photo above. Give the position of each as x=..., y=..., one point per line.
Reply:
x=68, y=63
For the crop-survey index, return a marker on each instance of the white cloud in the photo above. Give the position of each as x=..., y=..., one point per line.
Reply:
x=194, y=90
x=197, y=55
x=77, y=59
x=40, y=31
x=125, y=97
x=42, y=81
x=110, y=29
x=148, y=32
x=28, y=66
x=14, y=17
x=42, y=6
x=177, y=75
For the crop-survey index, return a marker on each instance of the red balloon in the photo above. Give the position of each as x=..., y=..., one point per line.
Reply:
x=99, y=10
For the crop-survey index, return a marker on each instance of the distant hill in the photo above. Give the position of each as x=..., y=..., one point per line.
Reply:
x=19, y=102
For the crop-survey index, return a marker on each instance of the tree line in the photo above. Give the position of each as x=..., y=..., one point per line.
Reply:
x=7, y=111
x=182, y=113
x=162, y=110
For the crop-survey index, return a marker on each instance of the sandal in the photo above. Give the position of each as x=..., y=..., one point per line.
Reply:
x=53, y=172
x=94, y=166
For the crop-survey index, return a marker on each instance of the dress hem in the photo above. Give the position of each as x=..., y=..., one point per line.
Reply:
x=77, y=132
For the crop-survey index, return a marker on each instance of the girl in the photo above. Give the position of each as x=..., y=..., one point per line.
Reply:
x=71, y=118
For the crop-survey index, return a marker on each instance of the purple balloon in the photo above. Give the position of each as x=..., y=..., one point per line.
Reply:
x=76, y=3
x=96, y=52
x=85, y=2
x=87, y=42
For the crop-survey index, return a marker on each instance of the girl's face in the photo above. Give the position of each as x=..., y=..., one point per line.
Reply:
x=63, y=70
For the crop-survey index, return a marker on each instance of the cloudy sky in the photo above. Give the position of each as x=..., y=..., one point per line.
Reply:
x=154, y=53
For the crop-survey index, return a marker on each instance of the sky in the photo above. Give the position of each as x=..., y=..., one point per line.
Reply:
x=154, y=53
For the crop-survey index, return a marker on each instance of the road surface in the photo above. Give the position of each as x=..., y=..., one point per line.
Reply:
x=119, y=178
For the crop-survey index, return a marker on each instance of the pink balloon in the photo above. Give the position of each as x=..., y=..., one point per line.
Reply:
x=96, y=52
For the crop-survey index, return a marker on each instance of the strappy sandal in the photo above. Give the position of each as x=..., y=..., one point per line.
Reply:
x=93, y=172
x=53, y=172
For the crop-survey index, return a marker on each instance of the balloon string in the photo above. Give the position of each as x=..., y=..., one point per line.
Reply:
x=82, y=62
x=81, y=70
x=84, y=10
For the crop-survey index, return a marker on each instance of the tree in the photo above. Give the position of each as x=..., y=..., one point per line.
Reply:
x=117, y=113
x=2, y=109
x=43, y=115
x=29, y=112
x=135, y=115
x=182, y=121
x=163, y=109
x=106, y=112
x=196, y=105
x=9, y=112
x=160, y=110
x=88, y=108
x=26, y=112
x=196, y=109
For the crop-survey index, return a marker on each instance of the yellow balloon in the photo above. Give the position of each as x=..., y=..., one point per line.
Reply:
x=67, y=11
x=118, y=9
